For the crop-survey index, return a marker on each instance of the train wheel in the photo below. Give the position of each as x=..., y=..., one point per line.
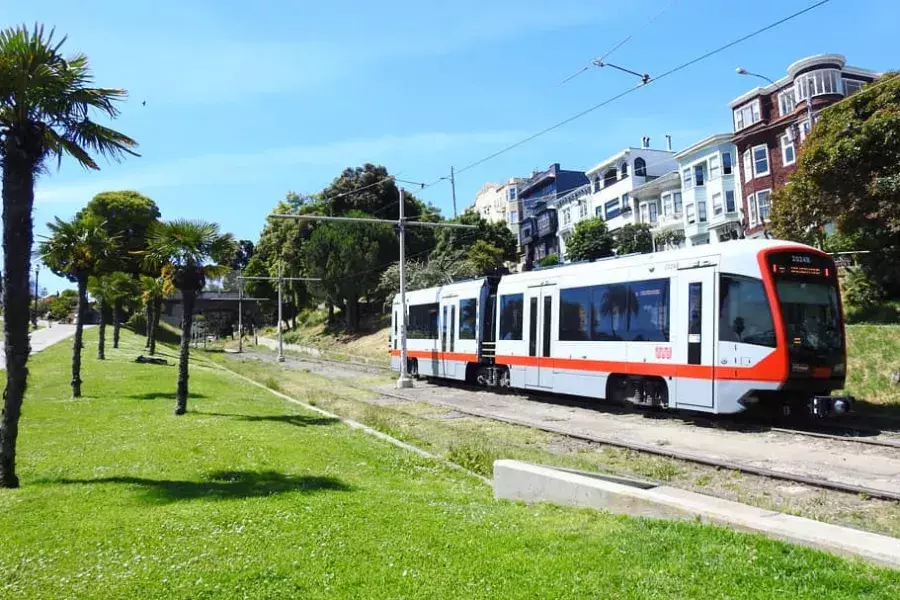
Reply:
x=504, y=378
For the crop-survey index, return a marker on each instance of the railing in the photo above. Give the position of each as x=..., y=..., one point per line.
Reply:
x=576, y=194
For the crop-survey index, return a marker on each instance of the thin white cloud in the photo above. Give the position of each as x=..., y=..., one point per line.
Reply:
x=247, y=168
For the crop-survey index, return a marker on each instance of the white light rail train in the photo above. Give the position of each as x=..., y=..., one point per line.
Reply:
x=717, y=328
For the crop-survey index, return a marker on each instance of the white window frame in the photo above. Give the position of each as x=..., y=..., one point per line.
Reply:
x=718, y=207
x=689, y=214
x=768, y=164
x=751, y=208
x=714, y=167
x=750, y=110
x=702, y=216
x=677, y=202
x=582, y=209
x=703, y=177
x=856, y=84
x=786, y=143
x=804, y=128
x=687, y=178
x=818, y=83
x=786, y=107
x=654, y=212
x=768, y=193
x=668, y=204
x=733, y=205
x=748, y=165
x=645, y=212
x=730, y=163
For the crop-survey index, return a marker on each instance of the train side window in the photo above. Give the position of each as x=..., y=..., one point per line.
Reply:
x=744, y=312
x=511, y=309
x=422, y=322
x=648, y=313
x=575, y=314
x=468, y=314
x=611, y=316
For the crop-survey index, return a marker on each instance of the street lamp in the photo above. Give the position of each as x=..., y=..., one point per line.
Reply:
x=37, y=270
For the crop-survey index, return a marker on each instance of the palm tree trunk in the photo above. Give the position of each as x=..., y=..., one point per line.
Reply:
x=117, y=321
x=157, y=309
x=187, y=320
x=79, y=331
x=18, y=199
x=148, y=329
x=101, y=344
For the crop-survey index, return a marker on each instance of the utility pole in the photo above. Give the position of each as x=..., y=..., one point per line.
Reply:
x=37, y=269
x=404, y=381
x=452, y=188
x=280, y=341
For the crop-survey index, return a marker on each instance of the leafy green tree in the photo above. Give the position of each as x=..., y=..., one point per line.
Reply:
x=485, y=258
x=188, y=253
x=127, y=215
x=633, y=238
x=347, y=258
x=549, y=260
x=848, y=175
x=455, y=244
x=62, y=305
x=76, y=250
x=46, y=106
x=669, y=239
x=590, y=240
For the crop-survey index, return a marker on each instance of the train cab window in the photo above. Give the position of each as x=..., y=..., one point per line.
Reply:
x=511, y=309
x=468, y=315
x=422, y=323
x=744, y=312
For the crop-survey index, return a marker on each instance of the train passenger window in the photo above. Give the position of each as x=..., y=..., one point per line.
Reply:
x=648, y=315
x=422, y=323
x=611, y=312
x=575, y=314
x=468, y=314
x=511, y=308
x=744, y=312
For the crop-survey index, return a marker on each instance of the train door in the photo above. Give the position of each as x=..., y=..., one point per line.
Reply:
x=539, y=316
x=448, y=327
x=696, y=336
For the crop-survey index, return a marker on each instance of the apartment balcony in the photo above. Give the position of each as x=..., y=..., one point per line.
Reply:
x=667, y=222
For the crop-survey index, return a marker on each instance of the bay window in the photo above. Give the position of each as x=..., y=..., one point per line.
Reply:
x=726, y=163
x=689, y=212
x=788, y=153
x=818, y=83
x=717, y=204
x=760, y=160
x=747, y=115
x=714, y=166
x=748, y=166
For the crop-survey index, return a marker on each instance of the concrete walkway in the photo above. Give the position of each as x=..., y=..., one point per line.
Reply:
x=44, y=338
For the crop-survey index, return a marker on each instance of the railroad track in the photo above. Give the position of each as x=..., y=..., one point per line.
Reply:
x=647, y=448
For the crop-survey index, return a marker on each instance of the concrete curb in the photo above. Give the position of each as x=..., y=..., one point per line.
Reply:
x=515, y=480
x=357, y=425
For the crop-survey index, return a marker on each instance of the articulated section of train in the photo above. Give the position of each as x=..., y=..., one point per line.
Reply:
x=719, y=328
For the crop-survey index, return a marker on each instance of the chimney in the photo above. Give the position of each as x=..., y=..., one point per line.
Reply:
x=668, y=142
x=645, y=142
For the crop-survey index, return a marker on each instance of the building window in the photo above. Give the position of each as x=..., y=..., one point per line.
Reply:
x=626, y=206
x=713, y=166
x=701, y=211
x=686, y=175
x=511, y=194
x=654, y=212
x=717, y=204
x=850, y=86
x=645, y=213
x=698, y=175
x=582, y=209
x=787, y=149
x=689, y=212
x=640, y=167
x=787, y=101
x=760, y=160
x=817, y=83
x=623, y=170
x=762, y=202
x=804, y=130
x=746, y=116
x=676, y=196
x=598, y=212
x=726, y=163
x=598, y=183
x=612, y=209
x=748, y=166
x=513, y=217
x=729, y=201
x=609, y=178
x=667, y=204
x=751, y=207
x=567, y=216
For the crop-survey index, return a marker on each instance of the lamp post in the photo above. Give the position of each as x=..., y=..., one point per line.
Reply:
x=37, y=270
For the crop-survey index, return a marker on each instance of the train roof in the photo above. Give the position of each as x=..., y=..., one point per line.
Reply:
x=433, y=294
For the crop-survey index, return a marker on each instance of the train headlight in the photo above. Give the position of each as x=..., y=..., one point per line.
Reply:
x=838, y=369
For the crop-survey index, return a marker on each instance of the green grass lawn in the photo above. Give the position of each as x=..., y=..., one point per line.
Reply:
x=250, y=497
x=873, y=353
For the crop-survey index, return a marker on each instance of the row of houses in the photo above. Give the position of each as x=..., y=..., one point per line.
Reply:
x=715, y=190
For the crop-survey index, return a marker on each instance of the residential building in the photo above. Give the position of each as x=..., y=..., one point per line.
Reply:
x=711, y=191
x=538, y=227
x=499, y=202
x=659, y=204
x=771, y=122
x=614, y=179
x=572, y=208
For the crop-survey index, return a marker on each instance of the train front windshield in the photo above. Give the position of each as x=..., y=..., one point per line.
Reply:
x=807, y=290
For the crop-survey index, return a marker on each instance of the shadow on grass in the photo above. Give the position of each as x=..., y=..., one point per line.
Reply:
x=222, y=485
x=162, y=396
x=295, y=420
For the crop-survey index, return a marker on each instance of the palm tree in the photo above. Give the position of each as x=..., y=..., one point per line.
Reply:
x=189, y=253
x=45, y=107
x=112, y=290
x=154, y=291
x=76, y=250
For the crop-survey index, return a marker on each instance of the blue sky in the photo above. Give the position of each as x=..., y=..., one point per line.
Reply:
x=246, y=101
